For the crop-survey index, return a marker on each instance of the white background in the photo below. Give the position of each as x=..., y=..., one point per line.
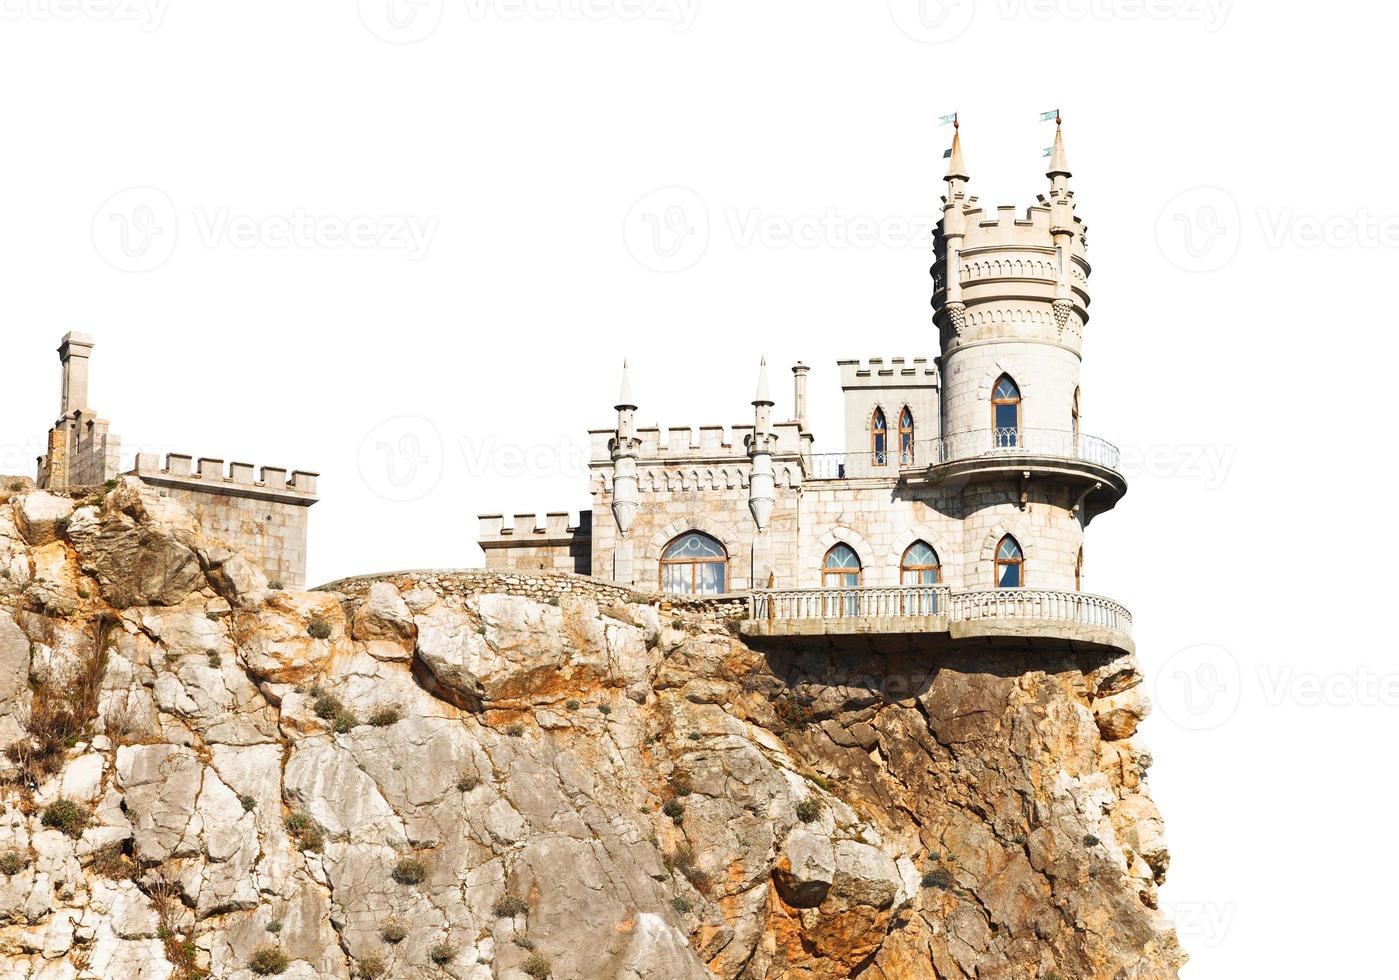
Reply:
x=1241, y=359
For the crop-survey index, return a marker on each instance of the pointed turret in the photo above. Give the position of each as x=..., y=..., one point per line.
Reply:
x=956, y=167
x=764, y=395
x=1058, y=161
x=624, y=397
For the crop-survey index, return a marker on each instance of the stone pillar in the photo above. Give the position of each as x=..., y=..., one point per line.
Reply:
x=73, y=353
x=799, y=373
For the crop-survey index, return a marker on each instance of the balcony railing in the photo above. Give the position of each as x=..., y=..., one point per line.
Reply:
x=861, y=603
x=1079, y=608
x=977, y=444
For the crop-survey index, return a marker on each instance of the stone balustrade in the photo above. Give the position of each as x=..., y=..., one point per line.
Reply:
x=977, y=444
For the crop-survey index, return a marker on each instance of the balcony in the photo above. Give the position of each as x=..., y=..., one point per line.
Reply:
x=934, y=615
x=1082, y=461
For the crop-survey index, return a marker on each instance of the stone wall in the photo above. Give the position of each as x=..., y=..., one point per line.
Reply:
x=542, y=586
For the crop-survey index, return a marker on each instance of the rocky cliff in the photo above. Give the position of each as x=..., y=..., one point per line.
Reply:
x=205, y=775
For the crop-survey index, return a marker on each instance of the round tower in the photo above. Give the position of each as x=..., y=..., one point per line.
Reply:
x=1010, y=303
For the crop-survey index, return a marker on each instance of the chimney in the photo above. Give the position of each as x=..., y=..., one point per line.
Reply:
x=73, y=353
x=799, y=394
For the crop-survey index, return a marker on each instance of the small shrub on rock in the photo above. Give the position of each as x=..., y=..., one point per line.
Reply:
x=1090, y=841
x=808, y=809
x=110, y=862
x=12, y=862
x=410, y=871
x=674, y=809
x=268, y=959
x=215, y=660
x=695, y=736
x=467, y=782
x=370, y=967
x=682, y=905
x=275, y=926
x=249, y=804
x=939, y=878
x=509, y=906
x=68, y=817
x=538, y=966
x=386, y=715
x=60, y=526
x=606, y=709
x=572, y=704
x=318, y=629
x=393, y=931
x=442, y=953
x=305, y=832
x=275, y=585
x=515, y=730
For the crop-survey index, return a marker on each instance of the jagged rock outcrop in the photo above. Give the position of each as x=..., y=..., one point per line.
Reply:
x=423, y=784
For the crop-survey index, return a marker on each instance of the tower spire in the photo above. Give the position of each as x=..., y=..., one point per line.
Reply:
x=956, y=167
x=764, y=395
x=624, y=397
x=1058, y=162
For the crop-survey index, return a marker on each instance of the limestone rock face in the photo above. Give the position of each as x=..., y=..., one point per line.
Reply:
x=621, y=790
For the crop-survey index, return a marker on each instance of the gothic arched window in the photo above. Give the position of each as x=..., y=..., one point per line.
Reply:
x=1005, y=411
x=841, y=569
x=920, y=565
x=906, y=437
x=879, y=438
x=694, y=564
x=1010, y=564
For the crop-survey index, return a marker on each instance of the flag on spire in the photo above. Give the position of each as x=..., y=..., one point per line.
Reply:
x=1050, y=114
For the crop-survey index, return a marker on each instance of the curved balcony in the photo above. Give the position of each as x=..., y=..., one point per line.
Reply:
x=1082, y=461
x=996, y=617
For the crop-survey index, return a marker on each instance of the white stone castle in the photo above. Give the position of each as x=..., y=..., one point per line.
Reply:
x=264, y=516
x=959, y=504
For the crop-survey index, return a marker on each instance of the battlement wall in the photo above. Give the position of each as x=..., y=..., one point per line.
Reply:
x=876, y=373
x=264, y=517
x=712, y=443
x=537, y=543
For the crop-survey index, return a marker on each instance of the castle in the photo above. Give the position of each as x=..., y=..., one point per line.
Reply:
x=264, y=516
x=959, y=504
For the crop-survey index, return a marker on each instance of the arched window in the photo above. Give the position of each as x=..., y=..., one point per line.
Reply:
x=1075, y=420
x=841, y=570
x=694, y=564
x=1078, y=571
x=906, y=437
x=879, y=438
x=920, y=565
x=1010, y=564
x=1005, y=411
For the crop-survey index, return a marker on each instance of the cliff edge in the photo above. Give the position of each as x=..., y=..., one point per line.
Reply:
x=482, y=776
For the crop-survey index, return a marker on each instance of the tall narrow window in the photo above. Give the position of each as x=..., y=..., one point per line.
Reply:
x=694, y=564
x=1005, y=412
x=1010, y=564
x=1075, y=420
x=920, y=565
x=906, y=437
x=1078, y=571
x=879, y=438
x=841, y=570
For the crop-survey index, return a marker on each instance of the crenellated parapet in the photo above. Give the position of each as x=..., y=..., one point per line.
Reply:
x=708, y=443
x=208, y=475
x=548, y=542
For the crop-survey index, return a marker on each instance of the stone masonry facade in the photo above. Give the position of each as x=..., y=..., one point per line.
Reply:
x=976, y=453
